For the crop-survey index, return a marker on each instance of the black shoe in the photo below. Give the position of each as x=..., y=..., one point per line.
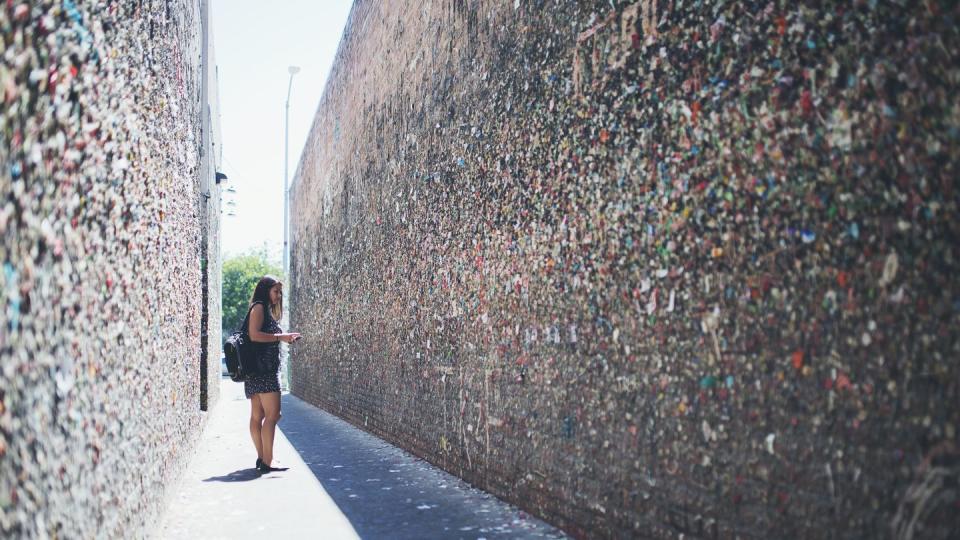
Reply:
x=259, y=463
x=264, y=468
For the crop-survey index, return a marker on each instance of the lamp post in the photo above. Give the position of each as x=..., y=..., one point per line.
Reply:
x=293, y=70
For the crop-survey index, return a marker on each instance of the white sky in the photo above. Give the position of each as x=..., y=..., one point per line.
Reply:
x=255, y=42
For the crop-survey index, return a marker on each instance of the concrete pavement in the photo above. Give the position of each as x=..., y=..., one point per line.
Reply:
x=342, y=483
x=221, y=495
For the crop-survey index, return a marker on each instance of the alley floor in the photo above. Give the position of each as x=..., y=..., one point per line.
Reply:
x=342, y=483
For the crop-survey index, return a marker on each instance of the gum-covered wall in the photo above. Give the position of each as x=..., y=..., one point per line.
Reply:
x=100, y=229
x=646, y=269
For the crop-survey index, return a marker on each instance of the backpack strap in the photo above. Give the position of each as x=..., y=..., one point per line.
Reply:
x=246, y=320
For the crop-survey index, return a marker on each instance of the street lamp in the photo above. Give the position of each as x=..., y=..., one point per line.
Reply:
x=293, y=70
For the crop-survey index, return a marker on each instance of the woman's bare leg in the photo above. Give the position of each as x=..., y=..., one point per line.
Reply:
x=271, y=415
x=256, y=419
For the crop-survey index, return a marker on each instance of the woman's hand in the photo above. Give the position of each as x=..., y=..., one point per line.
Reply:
x=290, y=337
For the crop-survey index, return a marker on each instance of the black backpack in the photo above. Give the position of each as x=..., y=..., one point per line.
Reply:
x=235, y=347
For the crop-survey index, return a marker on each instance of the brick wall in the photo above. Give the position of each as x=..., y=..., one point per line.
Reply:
x=658, y=269
x=100, y=241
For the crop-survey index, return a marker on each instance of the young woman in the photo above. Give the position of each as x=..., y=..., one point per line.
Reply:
x=263, y=390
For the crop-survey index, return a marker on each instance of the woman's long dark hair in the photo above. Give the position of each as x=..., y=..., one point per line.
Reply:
x=262, y=294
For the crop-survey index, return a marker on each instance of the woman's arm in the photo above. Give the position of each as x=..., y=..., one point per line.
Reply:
x=253, y=329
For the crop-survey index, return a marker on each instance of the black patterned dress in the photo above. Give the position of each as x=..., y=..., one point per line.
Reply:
x=266, y=382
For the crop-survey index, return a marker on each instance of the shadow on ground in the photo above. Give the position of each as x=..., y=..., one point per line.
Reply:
x=242, y=475
x=386, y=492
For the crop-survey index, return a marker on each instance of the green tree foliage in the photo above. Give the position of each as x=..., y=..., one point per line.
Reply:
x=240, y=276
